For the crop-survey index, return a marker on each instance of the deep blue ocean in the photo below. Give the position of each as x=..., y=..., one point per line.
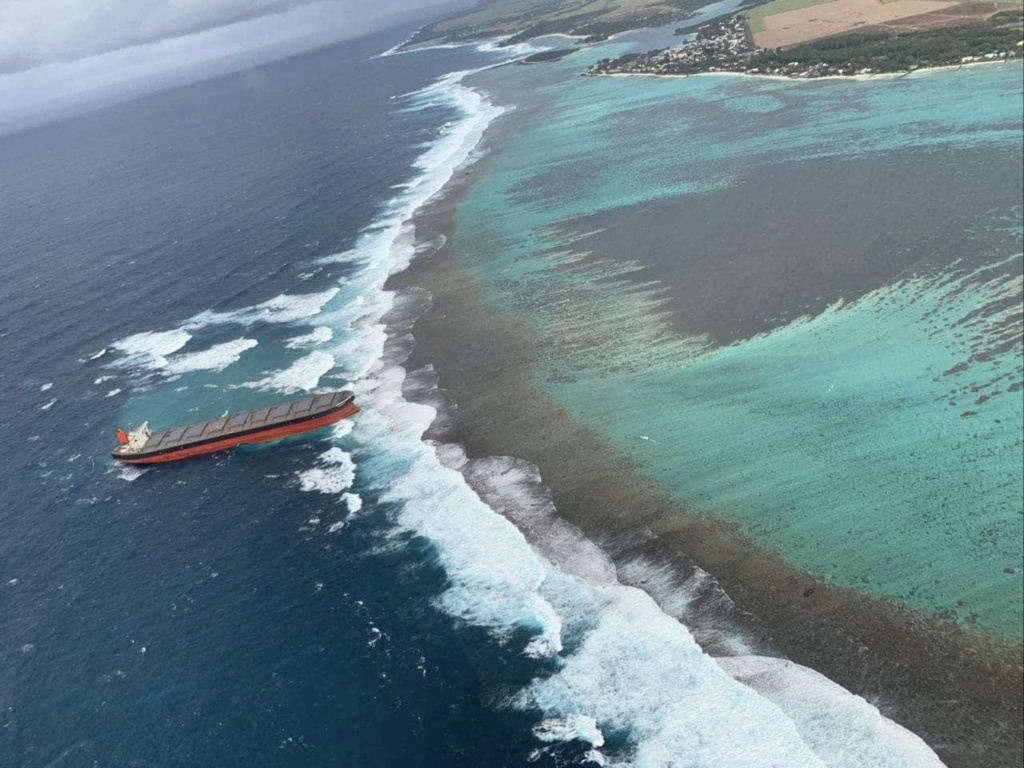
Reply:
x=194, y=616
x=358, y=596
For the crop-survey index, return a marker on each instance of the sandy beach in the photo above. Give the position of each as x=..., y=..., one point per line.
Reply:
x=783, y=78
x=957, y=688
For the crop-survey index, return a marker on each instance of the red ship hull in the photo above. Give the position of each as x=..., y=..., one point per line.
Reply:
x=248, y=438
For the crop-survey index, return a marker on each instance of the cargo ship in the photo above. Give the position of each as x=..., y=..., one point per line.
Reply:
x=259, y=425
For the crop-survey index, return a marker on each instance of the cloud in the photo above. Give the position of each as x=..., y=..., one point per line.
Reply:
x=58, y=86
x=35, y=32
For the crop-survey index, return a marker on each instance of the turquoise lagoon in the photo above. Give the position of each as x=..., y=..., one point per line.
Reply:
x=872, y=437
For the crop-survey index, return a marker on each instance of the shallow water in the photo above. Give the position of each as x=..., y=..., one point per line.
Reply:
x=797, y=305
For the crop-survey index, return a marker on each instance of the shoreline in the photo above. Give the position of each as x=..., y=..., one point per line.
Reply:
x=918, y=665
x=784, y=78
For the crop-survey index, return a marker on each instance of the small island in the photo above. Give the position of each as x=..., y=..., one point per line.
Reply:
x=551, y=55
x=727, y=46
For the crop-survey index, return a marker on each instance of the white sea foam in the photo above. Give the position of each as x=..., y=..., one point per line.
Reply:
x=696, y=600
x=319, y=335
x=661, y=581
x=113, y=393
x=301, y=376
x=514, y=51
x=216, y=358
x=286, y=308
x=487, y=46
x=843, y=729
x=152, y=347
x=335, y=474
x=354, y=502
x=342, y=428
x=495, y=45
x=102, y=379
x=639, y=671
x=152, y=350
x=570, y=728
x=494, y=576
x=129, y=473
x=513, y=488
x=398, y=50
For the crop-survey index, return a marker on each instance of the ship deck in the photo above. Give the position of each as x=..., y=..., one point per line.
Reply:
x=257, y=419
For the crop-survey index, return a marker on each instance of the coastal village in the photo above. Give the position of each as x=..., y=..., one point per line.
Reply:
x=724, y=45
x=727, y=45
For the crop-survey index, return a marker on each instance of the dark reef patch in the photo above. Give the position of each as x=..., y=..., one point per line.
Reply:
x=801, y=236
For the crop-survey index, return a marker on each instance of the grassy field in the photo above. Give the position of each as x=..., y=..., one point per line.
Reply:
x=756, y=16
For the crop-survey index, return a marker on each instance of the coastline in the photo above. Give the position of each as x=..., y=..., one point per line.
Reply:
x=956, y=688
x=783, y=78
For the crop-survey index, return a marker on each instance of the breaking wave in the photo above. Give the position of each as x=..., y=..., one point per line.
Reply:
x=153, y=350
x=319, y=335
x=286, y=308
x=301, y=376
x=149, y=349
x=216, y=358
x=335, y=474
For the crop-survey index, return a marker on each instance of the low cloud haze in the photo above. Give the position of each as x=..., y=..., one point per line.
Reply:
x=35, y=32
x=62, y=59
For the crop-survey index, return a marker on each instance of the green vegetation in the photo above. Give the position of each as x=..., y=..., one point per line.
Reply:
x=552, y=55
x=723, y=46
x=994, y=38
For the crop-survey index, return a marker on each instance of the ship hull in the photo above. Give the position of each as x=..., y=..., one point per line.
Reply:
x=266, y=435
